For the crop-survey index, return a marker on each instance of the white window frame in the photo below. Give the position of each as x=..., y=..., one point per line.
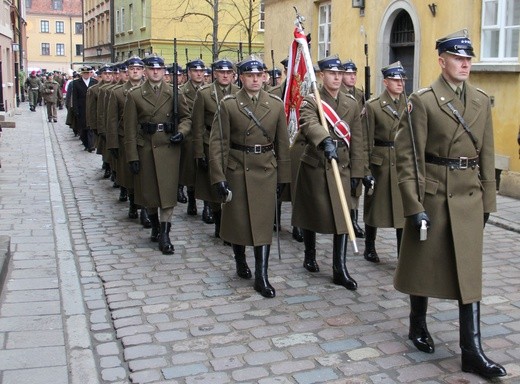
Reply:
x=122, y=19
x=118, y=26
x=131, y=16
x=325, y=26
x=261, y=16
x=504, y=32
x=45, y=49
x=143, y=13
x=44, y=26
x=60, y=49
x=62, y=23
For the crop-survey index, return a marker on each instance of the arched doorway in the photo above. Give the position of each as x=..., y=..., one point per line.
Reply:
x=402, y=45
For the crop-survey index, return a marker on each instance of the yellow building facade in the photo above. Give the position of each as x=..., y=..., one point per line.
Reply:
x=406, y=30
x=143, y=27
x=54, y=37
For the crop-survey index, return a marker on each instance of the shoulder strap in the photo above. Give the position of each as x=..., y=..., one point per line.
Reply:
x=465, y=126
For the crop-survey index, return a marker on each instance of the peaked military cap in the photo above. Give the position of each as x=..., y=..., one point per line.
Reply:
x=285, y=62
x=349, y=66
x=330, y=63
x=222, y=65
x=85, y=68
x=195, y=64
x=394, y=71
x=123, y=67
x=105, y=69
x=276, y=73
x=134, y=61
x=154, y=62
x=180, y=70
x=251, y=65
x=207, y=71
x=457, y=43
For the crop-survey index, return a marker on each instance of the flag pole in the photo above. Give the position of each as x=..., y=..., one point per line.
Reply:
x=333, y=162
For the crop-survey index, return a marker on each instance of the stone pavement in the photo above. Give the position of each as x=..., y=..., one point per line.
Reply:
x=88, y=299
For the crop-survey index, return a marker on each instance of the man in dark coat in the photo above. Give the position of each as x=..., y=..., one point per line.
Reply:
x=384, y=207
x=452, y=186
x=249, y=155
x=79, y=106
x=317, y=205
x=152, y=148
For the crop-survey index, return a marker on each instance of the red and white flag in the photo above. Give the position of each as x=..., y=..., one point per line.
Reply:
x=298, y=83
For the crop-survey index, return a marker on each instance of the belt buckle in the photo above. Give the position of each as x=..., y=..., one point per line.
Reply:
x=258, y=148
x=463, y=163
x=336, y=143
x=160, y=127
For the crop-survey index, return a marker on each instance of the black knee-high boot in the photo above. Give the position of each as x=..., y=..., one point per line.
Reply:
x=473, y=358
x=309, y=261
x=132, y=208
x=370, y=253
x=217, y=216
x=123, y=194
x=278, y=215
x=261, y=263
x=156, y=229
x=243, y=270
x=358, y=231
x=181, y=197
x=207, y=214
x=145, y=220
x=165, y=245
x=340, y=275
x=418, y=333
x=192, y=203
x=399, y=236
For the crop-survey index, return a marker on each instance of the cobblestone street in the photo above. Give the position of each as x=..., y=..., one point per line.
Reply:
x=89, y=299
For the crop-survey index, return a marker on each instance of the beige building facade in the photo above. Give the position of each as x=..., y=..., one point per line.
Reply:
x=54, y=34
x=144, y=27
x=406, y=30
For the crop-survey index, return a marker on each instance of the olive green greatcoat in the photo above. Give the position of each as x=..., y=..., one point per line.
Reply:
x=55, y=95
x=92, y=104
x=101, y=143
x=116, y=133
x=384, y=208
x=296, y=149
x=316, y=205
x=187, y=167
x=248, y=218
x=204, y=108
x=156, y=183
x=449, y=263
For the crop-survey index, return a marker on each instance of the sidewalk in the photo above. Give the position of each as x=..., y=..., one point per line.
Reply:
x=88, y=299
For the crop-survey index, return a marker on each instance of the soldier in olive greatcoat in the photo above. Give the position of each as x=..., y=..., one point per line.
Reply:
x=348, y=85
x=51, y=92
x=451, y=186
x=317, y=206
x=116, y=135
x=384, y=208
x=204, y=108
x=189, y=89
x=152, y=147
x=249, y=155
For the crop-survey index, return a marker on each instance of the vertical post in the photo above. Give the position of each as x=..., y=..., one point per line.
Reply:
x=2, y=107
x=215, y=30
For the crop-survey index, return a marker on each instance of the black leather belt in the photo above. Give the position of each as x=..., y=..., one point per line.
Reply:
x=151, y=128
x=458, y=163
x=383, y=143
x=258, y=148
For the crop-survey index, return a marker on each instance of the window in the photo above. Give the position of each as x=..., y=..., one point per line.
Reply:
x=60, y=49
x=122, y=19
x=118, y=26
x=131, y=16
x=57, y=5
x=261, y=23
x=79, y=49
x=500, y=30
x=324, y=25
x=44, y=26
x=28, y=3
x=46, y=49
x=78, y=28
x=60, y=27
x=143, y=13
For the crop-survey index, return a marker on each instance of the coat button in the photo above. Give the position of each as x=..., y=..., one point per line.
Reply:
x=471, y=193
x=450, y=195
x=247, y=169
x=248, y=133
x=452, y=167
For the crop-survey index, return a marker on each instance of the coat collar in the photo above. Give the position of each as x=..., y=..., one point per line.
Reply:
x=260, y=111
x=389, y=107
x=165, y=95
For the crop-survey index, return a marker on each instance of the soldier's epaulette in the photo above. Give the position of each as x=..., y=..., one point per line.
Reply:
x=422, y=90
x=227, y=97
x=205, y=86
x=482, y=91
x=349, y=95
x=372, y=99
x=275, y=97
